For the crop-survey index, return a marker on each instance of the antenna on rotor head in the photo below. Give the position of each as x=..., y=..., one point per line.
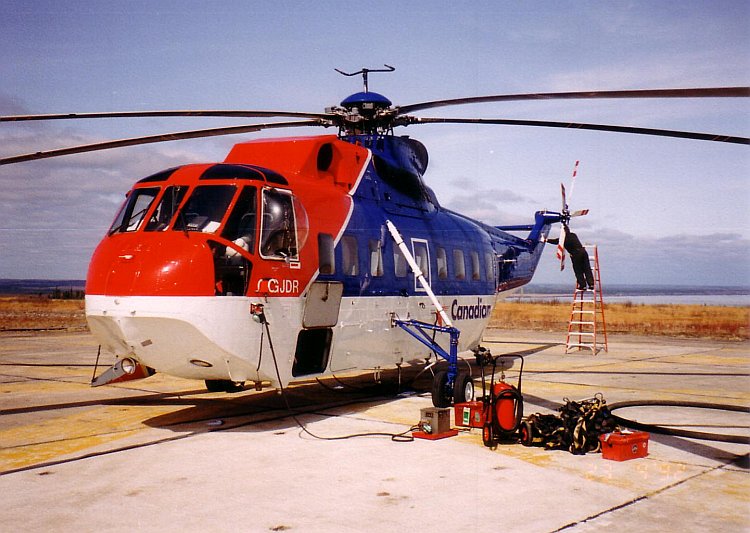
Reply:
x=366, y=71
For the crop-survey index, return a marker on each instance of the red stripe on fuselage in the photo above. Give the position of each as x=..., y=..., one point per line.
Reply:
x=323, y=172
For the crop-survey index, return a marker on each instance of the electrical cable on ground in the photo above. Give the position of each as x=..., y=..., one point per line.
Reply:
x=396, y=437
x=656, y=428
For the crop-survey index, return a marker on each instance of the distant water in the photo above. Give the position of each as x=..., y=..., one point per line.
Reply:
x=644, y=294
x=635, y=294
x=39, y=286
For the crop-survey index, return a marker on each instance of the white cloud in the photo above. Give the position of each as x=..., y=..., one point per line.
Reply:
x=55, y=211
x=680, y=259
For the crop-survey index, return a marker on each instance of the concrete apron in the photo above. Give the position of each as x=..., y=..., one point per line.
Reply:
x=161, y=454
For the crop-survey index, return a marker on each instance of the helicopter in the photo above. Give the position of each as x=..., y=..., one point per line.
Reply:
x=304, y=257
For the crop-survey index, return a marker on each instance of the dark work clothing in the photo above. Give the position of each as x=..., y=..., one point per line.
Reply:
x=582, y=269
x=580, y=259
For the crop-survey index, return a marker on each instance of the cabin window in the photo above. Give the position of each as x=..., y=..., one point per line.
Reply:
x=376, y=258
x=400, y=267
x=459, y=267
x=442, y=263
x=349, y=255
x=476, y=271
x=279, y=239
x=134, y=210
x=167, y=207
x=241, y=224
x=422, y=258
x=205, y=208
x=326, y=261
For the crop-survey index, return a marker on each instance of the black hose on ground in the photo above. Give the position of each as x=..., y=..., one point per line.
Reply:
x=655, y=428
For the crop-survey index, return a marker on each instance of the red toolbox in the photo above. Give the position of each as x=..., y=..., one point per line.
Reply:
x=469, y=414
x=622, y=445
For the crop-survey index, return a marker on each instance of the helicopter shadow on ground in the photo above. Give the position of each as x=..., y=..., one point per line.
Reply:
x=328, y=397
x=271, y=411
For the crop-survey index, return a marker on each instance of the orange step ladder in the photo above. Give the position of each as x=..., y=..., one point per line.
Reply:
x=587, y=328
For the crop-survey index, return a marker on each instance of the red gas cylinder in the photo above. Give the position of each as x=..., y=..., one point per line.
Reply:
x=506, y=405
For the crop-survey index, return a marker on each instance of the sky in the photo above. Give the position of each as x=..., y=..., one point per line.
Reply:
x=662, y=211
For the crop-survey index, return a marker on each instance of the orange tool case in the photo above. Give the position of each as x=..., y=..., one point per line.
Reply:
x=621, y=446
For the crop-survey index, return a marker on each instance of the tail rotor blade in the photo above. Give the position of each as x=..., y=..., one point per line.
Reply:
x=573, y=180
x=561, y=248
x=568, y=195
x=579, y=213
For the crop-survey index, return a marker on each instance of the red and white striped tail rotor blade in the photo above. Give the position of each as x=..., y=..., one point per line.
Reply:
x=579, y=213
x=561, y=248
x=564, y=202
x=573, y=180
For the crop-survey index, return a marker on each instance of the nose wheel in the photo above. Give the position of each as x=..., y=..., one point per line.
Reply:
x=441, y=395
x=463, y=389
x=445, y=394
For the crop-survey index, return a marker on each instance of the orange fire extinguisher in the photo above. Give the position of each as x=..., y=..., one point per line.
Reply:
x=503, y=406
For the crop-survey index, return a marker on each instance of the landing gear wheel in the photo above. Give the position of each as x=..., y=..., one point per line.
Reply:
x=527, y=433
x=488, y=435
x=463, y=389
x=440, y=394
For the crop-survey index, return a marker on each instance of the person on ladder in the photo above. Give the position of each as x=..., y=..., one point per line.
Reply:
x=580, y=259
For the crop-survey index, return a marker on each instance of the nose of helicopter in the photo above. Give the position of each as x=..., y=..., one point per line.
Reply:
x=152, y=298
x=160, y=264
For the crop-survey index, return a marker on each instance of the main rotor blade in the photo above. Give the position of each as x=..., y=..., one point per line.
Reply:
x=707, y=92
x=582, y=126
x=192, y=134
x=185, y=113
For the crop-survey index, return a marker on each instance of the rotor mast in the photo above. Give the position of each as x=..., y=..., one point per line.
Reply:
x=365, y=72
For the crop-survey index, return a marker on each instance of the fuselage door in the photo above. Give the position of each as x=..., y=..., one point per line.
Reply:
x=322, y=304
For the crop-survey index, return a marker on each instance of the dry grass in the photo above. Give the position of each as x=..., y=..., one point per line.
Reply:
x=715, y=322
x=41, y=313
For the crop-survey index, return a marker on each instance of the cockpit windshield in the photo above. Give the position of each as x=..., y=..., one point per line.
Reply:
x=168, y=204
x=132, y=212
x=205, y=208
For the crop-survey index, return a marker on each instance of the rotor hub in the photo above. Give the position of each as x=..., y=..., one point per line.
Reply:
x=364, y=113
x=365, y=101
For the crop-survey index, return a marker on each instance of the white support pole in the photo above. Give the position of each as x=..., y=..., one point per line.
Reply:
x=417, y=272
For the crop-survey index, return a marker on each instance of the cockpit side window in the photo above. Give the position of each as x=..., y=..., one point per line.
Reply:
x=278, y=233
x=241, y=224
x=205, y=208
x=134, y=210
x=167, y=207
